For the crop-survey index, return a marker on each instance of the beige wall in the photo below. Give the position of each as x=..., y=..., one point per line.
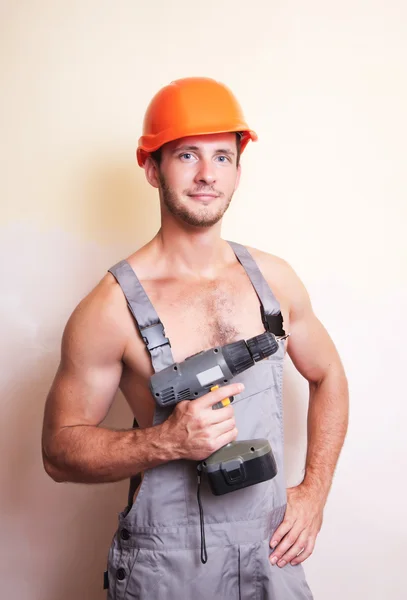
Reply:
x=324, y=85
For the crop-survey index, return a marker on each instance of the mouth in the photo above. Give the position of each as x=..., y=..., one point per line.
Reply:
x=203, y=196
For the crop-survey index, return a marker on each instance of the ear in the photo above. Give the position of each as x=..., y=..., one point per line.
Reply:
x=239, y=172
x=151, y=172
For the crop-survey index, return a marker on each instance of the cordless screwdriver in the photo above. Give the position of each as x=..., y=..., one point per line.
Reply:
x=238, y=464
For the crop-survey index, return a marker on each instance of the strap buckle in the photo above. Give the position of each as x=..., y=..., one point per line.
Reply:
x=154, y=336
x=273, y=323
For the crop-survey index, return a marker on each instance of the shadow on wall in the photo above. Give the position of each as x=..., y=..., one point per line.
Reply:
x=58, y=535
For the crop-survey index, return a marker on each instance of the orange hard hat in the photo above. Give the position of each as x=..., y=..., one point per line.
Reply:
x=191, y=106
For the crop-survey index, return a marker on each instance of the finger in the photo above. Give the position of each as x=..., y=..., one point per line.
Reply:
x=285, y=544
x=218, y=416
x=306, y=553
x=225, y=438
x=294, y=550
x=220, y=394
x=223, y=427
x=281, y=531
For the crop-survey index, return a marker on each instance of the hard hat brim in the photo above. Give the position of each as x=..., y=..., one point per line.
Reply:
x=151, y=143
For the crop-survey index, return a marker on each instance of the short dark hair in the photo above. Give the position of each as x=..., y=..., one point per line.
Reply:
x=156, y=155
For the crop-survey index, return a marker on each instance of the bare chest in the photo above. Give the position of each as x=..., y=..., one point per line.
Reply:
x=196, y=317
x=206, y=315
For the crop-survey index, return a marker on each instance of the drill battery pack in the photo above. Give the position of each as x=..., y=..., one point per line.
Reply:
x=238, y=465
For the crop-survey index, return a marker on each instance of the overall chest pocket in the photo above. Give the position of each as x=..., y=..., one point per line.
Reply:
x=258, y=409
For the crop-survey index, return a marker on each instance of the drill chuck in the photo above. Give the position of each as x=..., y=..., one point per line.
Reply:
x=237, y=357
x=241, y=355
x=262, y=346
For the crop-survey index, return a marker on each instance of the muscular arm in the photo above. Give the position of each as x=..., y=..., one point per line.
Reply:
x=74, y=446
x=315, y=357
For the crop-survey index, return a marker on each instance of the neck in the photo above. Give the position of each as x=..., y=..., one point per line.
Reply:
x=189, y=251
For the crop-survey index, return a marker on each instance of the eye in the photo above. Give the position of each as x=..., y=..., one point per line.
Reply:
x=223, y=158
x=186, y=156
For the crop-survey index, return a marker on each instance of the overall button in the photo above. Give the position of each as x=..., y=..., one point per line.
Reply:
x=125, y=534
x=121, y=574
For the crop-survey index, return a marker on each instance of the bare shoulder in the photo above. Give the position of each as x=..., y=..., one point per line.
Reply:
x=99, y=323
x=283, y=280
x=106, y=301
x=270, y=263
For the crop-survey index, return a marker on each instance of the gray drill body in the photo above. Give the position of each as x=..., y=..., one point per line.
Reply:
x=156, y=551
x=184, y=379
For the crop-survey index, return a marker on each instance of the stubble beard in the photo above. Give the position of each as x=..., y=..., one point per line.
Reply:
x=203, y=217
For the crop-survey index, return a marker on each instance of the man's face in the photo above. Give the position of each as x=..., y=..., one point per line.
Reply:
x=198, y=176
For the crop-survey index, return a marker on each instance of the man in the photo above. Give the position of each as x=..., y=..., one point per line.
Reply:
x=207, y=292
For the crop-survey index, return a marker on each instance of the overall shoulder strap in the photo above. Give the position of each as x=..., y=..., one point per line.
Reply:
x=151, y=330
x=145, y=315
x=269, y=305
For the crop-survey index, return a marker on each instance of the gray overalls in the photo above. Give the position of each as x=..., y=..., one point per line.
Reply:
x=156, y=551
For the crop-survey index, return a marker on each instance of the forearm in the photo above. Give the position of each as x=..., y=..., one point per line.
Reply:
x=327, y=425
x=91, y=454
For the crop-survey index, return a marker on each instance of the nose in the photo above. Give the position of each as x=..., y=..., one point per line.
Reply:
x=205, y=172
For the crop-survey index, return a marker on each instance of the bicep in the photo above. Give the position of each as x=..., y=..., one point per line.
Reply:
x=310, y=347
x=81, y=396
x=89, y=373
